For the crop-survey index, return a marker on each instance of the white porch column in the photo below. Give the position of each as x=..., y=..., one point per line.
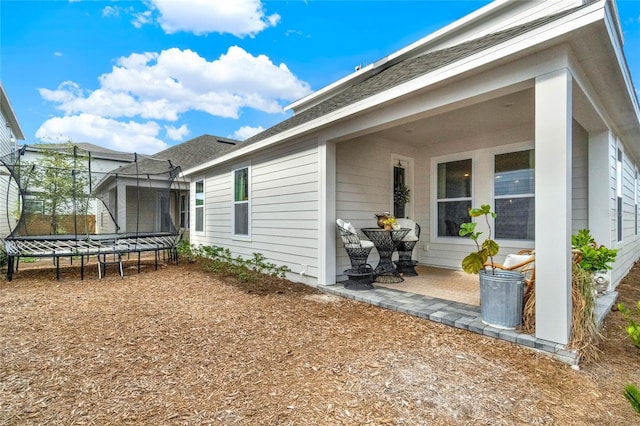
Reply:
x=327, y=213
x=553, y=133
x=600, y=197
x=121, y=207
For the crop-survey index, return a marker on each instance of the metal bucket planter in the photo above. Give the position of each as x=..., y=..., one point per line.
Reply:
x=501, y=298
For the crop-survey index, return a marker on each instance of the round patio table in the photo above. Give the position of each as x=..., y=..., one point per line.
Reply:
x=386, y=242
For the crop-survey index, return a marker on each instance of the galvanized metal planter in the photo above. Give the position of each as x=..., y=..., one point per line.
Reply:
x=501, y=298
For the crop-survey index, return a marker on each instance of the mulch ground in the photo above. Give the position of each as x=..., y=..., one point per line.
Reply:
x=183, y=346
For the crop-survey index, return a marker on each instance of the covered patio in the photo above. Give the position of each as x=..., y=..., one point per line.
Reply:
x=452, y=298
x=525, y=137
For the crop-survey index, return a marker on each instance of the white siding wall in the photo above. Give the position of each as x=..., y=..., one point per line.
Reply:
x=8, y=192
x=284, y=208
x=580, y=179
x=629, y=247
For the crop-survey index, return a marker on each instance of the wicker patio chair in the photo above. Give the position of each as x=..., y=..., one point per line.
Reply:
x=361, y=273
x=405, y=263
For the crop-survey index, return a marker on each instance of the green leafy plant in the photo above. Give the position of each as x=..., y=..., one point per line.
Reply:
x=593, y=257
x=632, y=328
x=633, y=395
x=185, y=250
x=221, y=261
x=475, y=261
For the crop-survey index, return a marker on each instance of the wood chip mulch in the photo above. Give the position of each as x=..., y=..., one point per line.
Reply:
x=183, y=346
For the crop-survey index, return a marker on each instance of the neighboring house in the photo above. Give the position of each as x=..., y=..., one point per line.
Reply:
x=527, y=106
x=98, y=159
x=10, y=134
x=149, y=195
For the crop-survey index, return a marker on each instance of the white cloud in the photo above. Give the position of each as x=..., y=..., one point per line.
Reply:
x=176, y=133
x=237, y=17
x=110, y=11
x=164, y=85
x=57, y=54
x=120, y=136
x=140, y=19
x=245, y=132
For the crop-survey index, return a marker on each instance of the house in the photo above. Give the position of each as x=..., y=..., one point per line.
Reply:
x=10, y=134
x=148, y=194
x=527, y=106
x=97, y=160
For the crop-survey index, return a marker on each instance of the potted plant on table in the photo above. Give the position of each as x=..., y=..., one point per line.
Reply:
x=389, y=223
x=501, y=292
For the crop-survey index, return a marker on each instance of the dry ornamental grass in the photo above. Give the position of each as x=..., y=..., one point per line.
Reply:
x=183, y=346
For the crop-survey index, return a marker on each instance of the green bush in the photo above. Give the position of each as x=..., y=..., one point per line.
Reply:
x=185, y=251
x=594, y=257
x=633, y=328
x=220, y=260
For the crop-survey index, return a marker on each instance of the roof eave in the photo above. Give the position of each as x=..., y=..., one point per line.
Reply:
x=8, y=112
x=585, y=16
x=398, y=56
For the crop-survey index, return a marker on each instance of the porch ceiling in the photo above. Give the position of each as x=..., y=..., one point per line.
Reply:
x=499, y=114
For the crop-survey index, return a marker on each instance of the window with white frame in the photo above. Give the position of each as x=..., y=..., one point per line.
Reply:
x=241, y=200
x=619, y=193
x=184, y=211
x=514, y=192
x=453, y=196
x=199, y=206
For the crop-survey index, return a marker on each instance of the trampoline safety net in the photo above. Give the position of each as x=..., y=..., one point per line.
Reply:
x=62, y=200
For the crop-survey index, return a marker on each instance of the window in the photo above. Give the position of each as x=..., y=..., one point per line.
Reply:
x=514, y=192
x=453, y=196
x=184, y=211
x=34, y=206
x=619, y=193
x=241, y=202
x=199, y=206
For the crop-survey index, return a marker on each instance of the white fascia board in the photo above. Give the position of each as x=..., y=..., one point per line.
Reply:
x=308, y=101
x=10, y=115
x=535, y=37
x=612, y=25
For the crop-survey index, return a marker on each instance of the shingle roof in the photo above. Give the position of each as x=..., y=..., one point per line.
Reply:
x=405, y=71
x=185, y=155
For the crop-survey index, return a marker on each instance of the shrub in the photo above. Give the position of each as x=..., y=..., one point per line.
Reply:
x=633, y=328
x=185, y=250
x=221, y=261
x=594, y=257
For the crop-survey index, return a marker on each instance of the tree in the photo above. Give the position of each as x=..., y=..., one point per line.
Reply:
x=60, y=181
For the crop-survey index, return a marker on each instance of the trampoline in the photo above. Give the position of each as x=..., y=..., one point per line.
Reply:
x=63, y=201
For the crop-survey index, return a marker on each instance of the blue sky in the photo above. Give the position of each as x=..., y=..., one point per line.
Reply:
x=143, y=75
